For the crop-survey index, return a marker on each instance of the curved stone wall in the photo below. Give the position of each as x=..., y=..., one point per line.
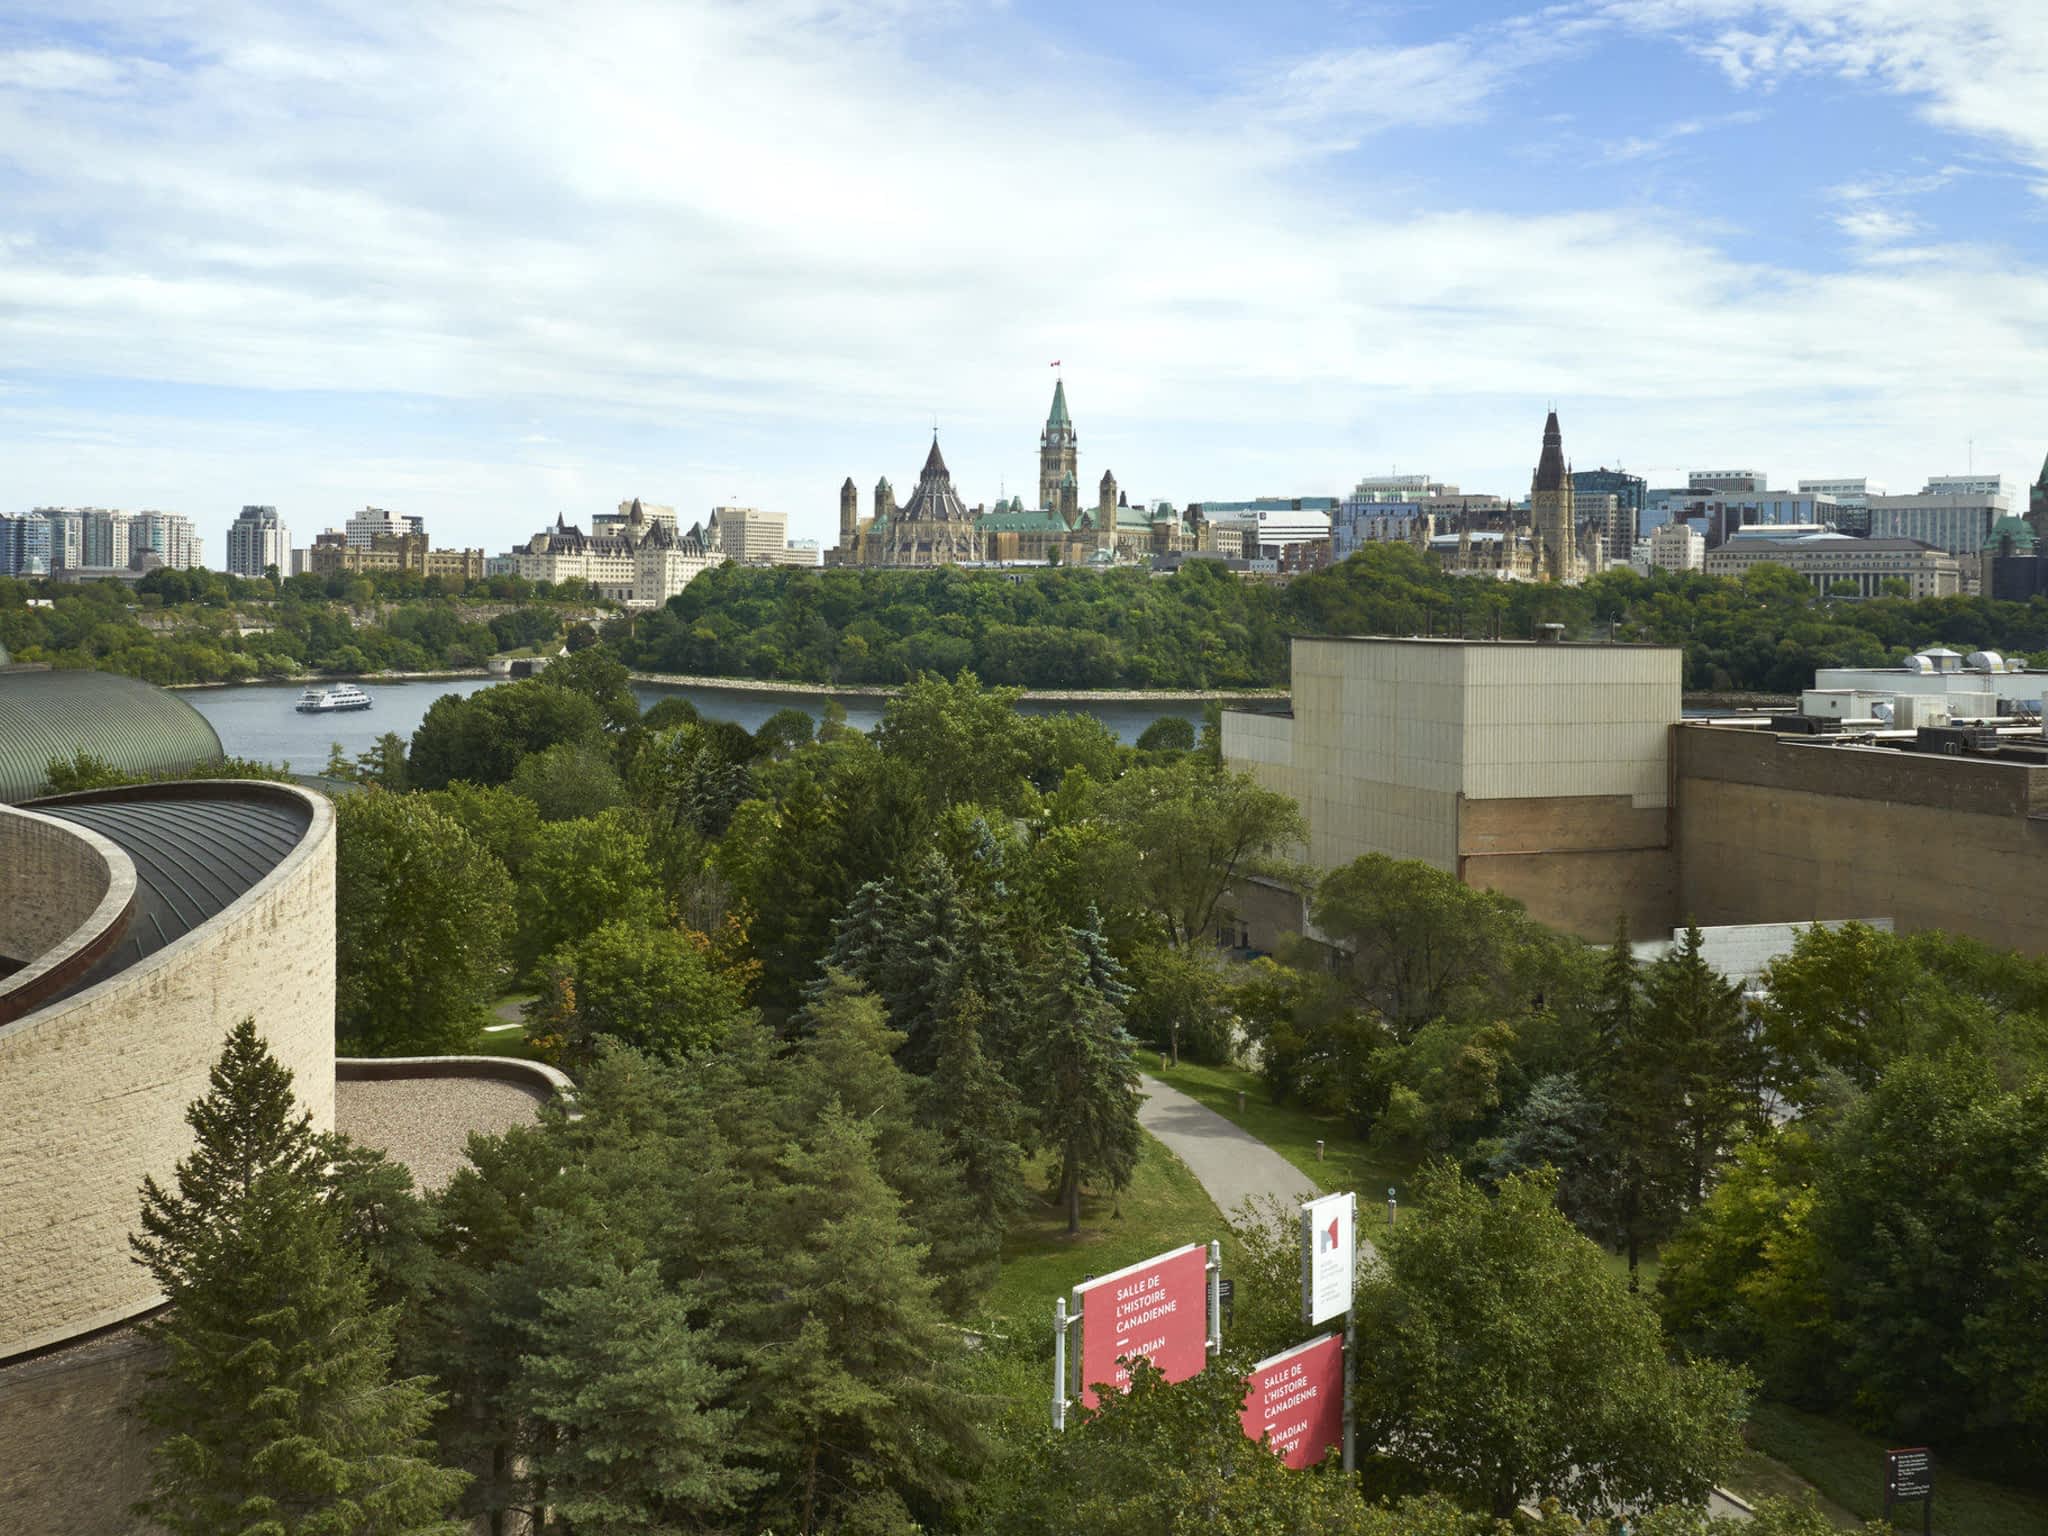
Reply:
x=96, y=1084
x=67, y=890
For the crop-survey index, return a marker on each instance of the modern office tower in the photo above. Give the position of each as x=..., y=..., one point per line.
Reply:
x=372, y=521
x=257, y=540
x=748, y=533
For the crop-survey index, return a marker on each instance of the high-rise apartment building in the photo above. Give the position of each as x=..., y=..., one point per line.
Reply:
x=374, y=521
x=103, y=539
x=257, y=540
x=169, y=536
x=24, y=544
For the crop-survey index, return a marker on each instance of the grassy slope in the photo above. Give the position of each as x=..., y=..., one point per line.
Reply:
x=1163, y=1208
x=1847, y=1468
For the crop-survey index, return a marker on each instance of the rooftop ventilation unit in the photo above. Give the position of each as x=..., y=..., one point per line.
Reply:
x=1955, y=740
x=1984, y=661
x=1549, y=634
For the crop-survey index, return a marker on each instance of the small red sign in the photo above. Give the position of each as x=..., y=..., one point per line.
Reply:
x=1158, y=1309
x=1296, y=1400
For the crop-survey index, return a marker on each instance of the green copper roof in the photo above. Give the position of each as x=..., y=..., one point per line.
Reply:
x=130, y=725
x=1059, y=417
x=1022, y=522
x=2013, y=527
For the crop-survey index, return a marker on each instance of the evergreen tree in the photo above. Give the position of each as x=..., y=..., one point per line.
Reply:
x=1713, y=1054
x=276, y=1399
x=857, y=1407
x=850, y=1059
x=1633, y=1077
x=973, y=1106
x=1077, y=1070
x=866, y=936
x=1105, y=971
x=618, y=1382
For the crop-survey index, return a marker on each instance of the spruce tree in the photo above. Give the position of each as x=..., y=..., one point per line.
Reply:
x=278, y=1411
x=1105, y=971
x=1078, y=1074
x=856, y=1406
x=1633, y=1077
x=1713, y=1055
x=973, y=1106
x=867, y=938
x=848, y=1060
x=618, y=1383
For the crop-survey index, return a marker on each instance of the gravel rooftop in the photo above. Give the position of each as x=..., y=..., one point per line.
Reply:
x=425, y=1122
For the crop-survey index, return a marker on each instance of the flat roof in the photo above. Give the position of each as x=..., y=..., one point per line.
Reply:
x=1582, y=645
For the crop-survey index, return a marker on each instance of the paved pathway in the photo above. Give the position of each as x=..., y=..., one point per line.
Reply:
x=1232, y=1164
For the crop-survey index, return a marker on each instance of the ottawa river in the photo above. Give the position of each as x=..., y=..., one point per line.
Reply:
x=257, y=720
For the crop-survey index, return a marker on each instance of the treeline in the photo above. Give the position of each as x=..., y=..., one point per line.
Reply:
x=205, y=627
x=1842, y=1174
x=1203, y=628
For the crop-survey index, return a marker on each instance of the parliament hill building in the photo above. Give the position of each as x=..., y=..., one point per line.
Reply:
x=936, y=528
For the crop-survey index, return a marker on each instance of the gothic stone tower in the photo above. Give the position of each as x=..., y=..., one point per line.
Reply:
x=1059, y=458
x=849, y=513
x=1551, y=507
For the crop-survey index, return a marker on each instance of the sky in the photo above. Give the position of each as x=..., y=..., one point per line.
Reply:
x=493, y=262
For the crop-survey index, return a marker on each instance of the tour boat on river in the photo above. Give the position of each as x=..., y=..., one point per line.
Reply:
x=327, y=701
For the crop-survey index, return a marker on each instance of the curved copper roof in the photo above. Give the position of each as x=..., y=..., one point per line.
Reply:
x=130, y=725
x=196, y=847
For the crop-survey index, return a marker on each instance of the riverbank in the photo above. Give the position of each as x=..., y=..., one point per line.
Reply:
x=763, y=685
x=320, y=679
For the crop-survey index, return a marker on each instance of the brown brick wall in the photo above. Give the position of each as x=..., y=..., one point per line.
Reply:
x=1583, y=893
x=1771, y=831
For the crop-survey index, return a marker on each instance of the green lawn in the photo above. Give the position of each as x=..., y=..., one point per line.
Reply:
x=1847, y=1468
x=1163, y=1208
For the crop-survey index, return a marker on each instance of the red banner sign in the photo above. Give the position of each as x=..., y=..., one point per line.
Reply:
x=1296, y=1400
x=1158, y=1309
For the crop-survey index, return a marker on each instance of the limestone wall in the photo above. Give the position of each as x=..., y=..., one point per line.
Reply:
x=96, y=1087
x=58, y=878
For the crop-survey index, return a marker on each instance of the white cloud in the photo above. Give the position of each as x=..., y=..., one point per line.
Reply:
x=66, y=69
x=1978, y=67
x=698, y=251
x=1653, y=146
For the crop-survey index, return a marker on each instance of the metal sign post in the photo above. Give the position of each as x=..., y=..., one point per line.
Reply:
x=1215, y=1297
x=1060, y=1324
x=1329, y=1273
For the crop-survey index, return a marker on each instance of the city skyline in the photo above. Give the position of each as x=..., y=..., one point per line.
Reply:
x=495, y=266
